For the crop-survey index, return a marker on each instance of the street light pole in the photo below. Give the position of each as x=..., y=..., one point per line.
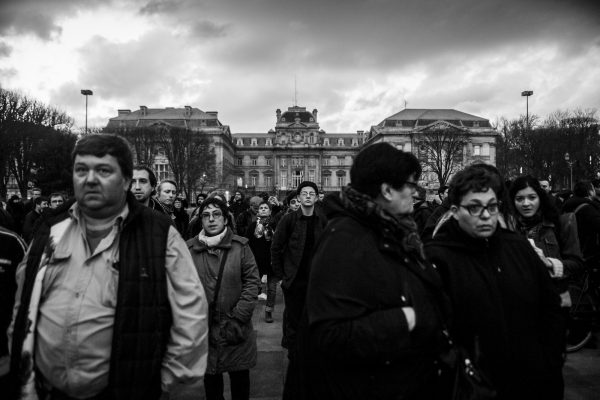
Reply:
x=568, y=160
x=86, y=93
x=527, y=93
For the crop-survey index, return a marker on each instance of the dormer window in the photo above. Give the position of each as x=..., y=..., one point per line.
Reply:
x=340, y=142
x=240, y=142
x=354, y=142
x=268, y=142
x=326, y=142
x=253, y=142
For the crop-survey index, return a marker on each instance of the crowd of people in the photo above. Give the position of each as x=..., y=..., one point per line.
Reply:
x=124, y=291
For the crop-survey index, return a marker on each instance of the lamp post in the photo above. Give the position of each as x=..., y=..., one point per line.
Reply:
x=86, y=93
x=527, y=93
x=568, y=160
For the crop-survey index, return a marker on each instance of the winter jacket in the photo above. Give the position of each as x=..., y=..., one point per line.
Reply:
x=562, y=244
x=588, y=227
x=506, y=312
x=237, y=299
x=360, y=346
x=288, y=244
x=261, y=248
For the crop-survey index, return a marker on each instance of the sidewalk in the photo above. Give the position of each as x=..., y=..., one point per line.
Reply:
x=266, y=379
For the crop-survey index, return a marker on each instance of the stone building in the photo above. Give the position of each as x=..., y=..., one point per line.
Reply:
x=297, y=149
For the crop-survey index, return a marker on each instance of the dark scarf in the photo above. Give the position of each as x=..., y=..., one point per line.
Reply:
x=167, y=208
x=529, y=226
x=400, y=229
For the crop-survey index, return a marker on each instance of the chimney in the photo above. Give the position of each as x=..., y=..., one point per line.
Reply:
x=144, y=110
x=188, y=111
x=124, y=112
x=314, y=113
x=278, y=114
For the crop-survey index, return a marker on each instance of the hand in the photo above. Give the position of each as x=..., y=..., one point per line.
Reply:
x=411, y=318
x=542, y=257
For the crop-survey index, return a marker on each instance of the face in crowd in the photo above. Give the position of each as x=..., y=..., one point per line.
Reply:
x=140, y=185
x=307, y=196
x=477, y=213
x=166, y=193
x=294, y=204
x=237, y=196
x=545, y=185
x=41, y=206
x=99, y=184
x=399, y=201
x=213, y=220
x=527, y=202
x=254, y=204
x=56, y=201
x=36, y=193
x=264, y=210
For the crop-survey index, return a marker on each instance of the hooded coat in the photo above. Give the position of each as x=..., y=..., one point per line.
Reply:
x=506, y=311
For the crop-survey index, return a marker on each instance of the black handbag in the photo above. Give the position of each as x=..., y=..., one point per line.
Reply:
x=469, y=383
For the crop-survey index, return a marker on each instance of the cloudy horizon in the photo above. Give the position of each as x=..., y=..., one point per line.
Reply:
x=357, y=61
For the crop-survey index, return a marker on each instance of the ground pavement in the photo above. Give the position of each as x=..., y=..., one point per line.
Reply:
x=581, y=371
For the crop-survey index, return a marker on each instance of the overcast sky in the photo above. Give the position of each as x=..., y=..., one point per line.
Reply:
x=356, y=61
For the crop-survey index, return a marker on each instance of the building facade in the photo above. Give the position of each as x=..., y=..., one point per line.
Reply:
x=297, y=149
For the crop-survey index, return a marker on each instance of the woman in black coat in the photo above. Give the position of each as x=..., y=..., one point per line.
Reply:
x=506, y=312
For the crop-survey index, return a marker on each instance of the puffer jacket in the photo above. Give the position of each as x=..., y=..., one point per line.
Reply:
x=237, y=299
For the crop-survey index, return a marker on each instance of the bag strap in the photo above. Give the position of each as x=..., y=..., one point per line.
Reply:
x=579, y=207
x=220, y=276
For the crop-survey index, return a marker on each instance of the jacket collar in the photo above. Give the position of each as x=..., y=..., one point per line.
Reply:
x=199, y=246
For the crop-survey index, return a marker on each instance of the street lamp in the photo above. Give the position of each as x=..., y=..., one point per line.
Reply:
x=86, y=93
x=527, y=93
x=568, y=160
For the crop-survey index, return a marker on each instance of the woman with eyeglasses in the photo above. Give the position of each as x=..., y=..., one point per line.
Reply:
x=506, y=312
x=229, y=275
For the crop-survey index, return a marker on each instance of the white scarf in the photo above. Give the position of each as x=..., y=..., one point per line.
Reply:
x=211, y=241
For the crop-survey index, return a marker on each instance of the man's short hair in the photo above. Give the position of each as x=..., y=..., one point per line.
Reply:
x=473, y=178
x=171, y=181
x=151, y=175
x=442, y=189
x=99, y=145
x=216, y=202
x=583, y=188
x=382, y=163
x=56, y=194
x=307, y=184
x=39, y=200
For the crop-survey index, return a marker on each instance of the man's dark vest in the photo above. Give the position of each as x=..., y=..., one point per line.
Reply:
x=143, y=314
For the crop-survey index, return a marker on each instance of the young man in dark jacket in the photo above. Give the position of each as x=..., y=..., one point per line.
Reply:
x=374, y=323
x=588, y=220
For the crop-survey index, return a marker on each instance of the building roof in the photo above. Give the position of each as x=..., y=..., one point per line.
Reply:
x=414, y=114
x=165, y=114
x=297, y=112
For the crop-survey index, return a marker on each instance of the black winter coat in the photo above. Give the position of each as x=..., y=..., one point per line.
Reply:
x=505, y=308
x=360, y=346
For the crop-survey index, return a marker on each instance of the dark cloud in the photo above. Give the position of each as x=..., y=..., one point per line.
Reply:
x=5, y=50
x=39, y=17
x=162, y=7
x=209, y=29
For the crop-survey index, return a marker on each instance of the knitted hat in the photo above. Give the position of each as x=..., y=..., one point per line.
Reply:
x=309, y=184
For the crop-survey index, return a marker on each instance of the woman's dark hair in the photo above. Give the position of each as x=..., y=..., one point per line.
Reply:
x=547, y=210
x=99, y=145
x=382, y=163
x=219, y=204
x=474, y=178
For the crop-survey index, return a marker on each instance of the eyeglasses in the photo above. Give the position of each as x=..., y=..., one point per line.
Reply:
x=308, y=194
x=477, y=209
x=215, y=215
x=294, y=201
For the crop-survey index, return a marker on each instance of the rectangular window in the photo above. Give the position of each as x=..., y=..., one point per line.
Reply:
x=311, y=175
x=341, y=161
x=325, y=161
x=239, y=161
x=283, y=180
x=162, y=171
x=297, y=178
x=283, y=162
x=268, y=142
x=253, y=161
x=485, y=150
x=254, y=143
x=325, y=181
x=476, y=150
x=253, y=180
x=268, y=161
x=325, y=142
x=312, y=162
x=341, y=180
x=268, y=181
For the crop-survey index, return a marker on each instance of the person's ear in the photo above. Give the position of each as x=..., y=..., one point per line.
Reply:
x=454, y=211
x=385, y=189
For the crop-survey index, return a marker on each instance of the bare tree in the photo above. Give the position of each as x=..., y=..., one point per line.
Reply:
x=145, y=142
x=441, y=151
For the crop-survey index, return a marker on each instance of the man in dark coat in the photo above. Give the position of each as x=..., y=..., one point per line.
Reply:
x=506, y=312
x=374, y=309
x=40, y=204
